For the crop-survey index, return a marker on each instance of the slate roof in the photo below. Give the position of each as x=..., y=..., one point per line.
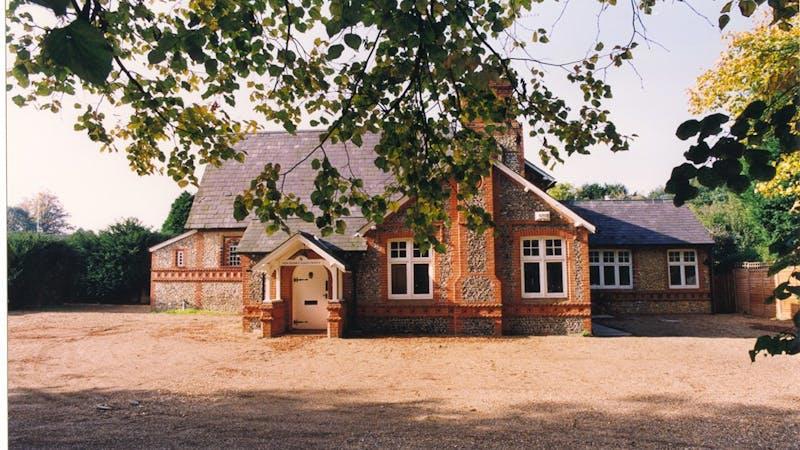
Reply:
x=256, y=240
x=641, y=222
x=213, y=203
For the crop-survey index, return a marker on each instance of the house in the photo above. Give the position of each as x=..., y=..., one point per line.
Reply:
x=542, y=270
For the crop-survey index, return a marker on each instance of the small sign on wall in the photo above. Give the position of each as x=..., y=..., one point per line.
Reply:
x=541, y=216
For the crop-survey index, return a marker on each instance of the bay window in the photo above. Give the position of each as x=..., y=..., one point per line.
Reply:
x=610, y=269
x=544, y=267
x=682, y=265
x=410, y=270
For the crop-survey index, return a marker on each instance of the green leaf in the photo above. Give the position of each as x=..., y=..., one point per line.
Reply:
x=335, y=51
x=687, y=129
x=711, y=124
x=754, y=110
x=762, y=172
x=747, y=7
x=156, y=56
x=723, y=21
x=352, y=40
x=81, y=48
x=709, y=177
x=211, y=66
x=738, y=183
x=698, y=153
x=740, y=128
x=727, y=8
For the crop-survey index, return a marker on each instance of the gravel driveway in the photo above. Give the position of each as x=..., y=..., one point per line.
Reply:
x=124, y=377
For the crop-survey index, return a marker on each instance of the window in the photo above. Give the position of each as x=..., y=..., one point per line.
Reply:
x=231, y=255
x=180, y=258
x=544, y=267
x=610, y=269
x=682, y=266
x=410, y=271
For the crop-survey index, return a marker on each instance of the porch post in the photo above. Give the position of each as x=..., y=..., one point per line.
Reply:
x=267, y=286
x=278, y=283
x=340, y=293
x=335, y=282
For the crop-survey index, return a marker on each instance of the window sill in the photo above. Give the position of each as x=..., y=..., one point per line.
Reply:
x=407, y=298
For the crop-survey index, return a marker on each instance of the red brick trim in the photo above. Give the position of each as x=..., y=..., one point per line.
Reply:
x=195, y=275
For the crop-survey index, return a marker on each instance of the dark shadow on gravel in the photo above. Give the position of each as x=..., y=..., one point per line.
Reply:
x=341, y=419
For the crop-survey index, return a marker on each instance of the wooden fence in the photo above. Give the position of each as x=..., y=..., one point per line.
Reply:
x=745, y=289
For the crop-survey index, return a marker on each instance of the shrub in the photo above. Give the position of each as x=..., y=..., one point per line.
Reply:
x=41, y=269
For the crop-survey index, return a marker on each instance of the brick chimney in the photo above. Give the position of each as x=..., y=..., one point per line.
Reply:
x=512, y=151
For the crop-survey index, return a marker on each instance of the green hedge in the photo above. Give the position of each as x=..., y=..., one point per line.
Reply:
x=112, y=266
x=41, y=269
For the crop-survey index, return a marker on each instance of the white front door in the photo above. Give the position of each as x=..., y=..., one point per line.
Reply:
x=310, y=298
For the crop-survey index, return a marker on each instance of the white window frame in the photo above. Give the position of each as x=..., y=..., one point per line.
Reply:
x=234, y=259
x=180, y=258
x=409, y=260
x=543, y=259
x=601, y=265
x=683, y=263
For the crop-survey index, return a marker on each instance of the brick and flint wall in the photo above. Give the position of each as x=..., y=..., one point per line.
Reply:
x=477, y=281
x=204, y=281
x=651, y=293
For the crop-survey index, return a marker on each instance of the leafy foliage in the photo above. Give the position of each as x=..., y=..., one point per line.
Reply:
x=598, y=191
x=178, y=214
x=30, y=256
x=734, y=223
x=19, y=220
x=423, y=73
x=759, y=83
x=114, y=263
x=110, y=266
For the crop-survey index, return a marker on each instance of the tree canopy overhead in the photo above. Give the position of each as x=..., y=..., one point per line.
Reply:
x=417, y=71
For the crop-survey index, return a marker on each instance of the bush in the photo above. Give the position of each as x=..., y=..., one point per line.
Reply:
x=112, y=266
x=41, y=270
x=115, y=263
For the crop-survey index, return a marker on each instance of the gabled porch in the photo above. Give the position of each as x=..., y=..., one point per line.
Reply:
x=303, y=286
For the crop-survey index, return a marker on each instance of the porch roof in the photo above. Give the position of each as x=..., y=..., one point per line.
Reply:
x=296, y=242
x=256, y=239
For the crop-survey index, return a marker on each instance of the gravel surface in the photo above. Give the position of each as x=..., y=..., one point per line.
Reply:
x=124, y=377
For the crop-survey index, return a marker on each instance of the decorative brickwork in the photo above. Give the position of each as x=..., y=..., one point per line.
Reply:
x=444, y=267
x=202, y=282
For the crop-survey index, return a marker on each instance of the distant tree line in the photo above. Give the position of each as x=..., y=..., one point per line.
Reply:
x=602, y=191
x=47, y=266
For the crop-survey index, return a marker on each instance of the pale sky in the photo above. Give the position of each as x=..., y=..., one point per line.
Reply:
x=44, y=153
